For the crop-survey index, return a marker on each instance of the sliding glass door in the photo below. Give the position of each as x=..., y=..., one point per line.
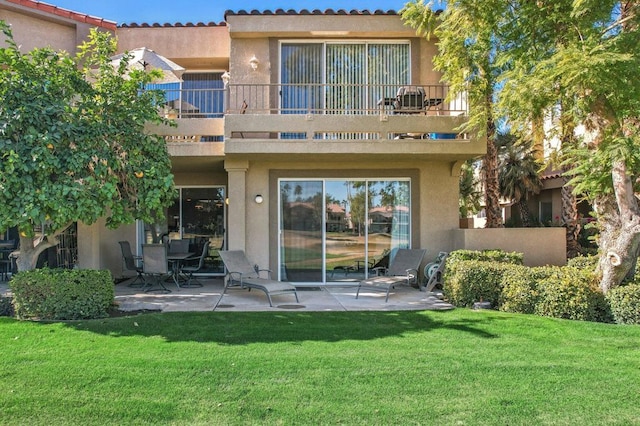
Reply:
x=336, y=230
x=341, y=78
x=197, y=215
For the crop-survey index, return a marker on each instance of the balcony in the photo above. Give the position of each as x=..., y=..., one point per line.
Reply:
x=321, y=118
x=346, y=112
x=349, y=120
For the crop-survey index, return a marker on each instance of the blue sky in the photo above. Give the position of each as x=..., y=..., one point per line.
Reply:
x=172, y=11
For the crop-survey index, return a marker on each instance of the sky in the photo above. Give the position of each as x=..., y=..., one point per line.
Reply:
x=194, y=11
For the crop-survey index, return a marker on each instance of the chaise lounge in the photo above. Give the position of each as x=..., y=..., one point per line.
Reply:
x=403, y=268
x=240, y=271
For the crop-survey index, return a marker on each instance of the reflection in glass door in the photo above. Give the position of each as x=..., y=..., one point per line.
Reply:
x=301, y=208
x=197, y=215
x=341, y=230
x=345, y=237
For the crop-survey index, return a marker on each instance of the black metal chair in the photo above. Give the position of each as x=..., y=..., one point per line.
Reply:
x=190, y=269
x=6, y=263
x=131, y=263
x=156, y=266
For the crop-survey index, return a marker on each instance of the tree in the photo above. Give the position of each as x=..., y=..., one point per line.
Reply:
x=519, y=175
x=467, y=58
x=470, y=196
x=73, y=145
x=581, y=56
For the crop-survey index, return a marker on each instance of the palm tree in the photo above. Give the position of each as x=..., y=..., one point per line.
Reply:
x=518, y=175
x=470, y=193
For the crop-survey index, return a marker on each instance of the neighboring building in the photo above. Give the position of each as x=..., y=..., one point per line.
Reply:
x=289, y=144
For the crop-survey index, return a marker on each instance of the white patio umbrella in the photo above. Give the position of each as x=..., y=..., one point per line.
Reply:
x=146, y=59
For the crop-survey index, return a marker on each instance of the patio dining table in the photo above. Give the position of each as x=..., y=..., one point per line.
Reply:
x=175, y=263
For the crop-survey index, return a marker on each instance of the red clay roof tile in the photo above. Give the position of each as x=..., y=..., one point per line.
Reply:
x=66, y=13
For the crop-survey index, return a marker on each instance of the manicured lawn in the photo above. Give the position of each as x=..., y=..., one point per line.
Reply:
x=459, y=367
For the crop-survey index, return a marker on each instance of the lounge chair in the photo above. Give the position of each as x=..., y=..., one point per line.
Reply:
x=242, y=272
x=403, y=268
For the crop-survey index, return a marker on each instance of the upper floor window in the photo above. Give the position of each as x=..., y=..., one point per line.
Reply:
x=341, y=77
x=200, y=94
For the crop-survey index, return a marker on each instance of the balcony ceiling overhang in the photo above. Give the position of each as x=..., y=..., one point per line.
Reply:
x=197, y=164
x=351, y=152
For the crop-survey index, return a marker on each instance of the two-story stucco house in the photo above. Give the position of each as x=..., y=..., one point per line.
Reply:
x=309, y=139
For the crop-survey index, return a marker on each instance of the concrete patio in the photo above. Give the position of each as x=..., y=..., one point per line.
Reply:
x=315, y=298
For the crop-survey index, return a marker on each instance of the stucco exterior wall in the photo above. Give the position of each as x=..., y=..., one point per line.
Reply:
x=30, y=32
x=195, y=48
x=98, y=246
x=434, y=201
x=541, y=246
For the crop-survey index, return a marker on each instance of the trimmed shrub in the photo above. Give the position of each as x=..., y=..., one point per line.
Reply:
x=469, y=281
x=584, y=262
x=572, y=293
x=625, y=303
x=486, y=256
x=62, y=294
x=520, y=289
x=6, y=306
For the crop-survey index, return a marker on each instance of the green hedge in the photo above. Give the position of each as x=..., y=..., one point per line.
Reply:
x=520, y=289
x=561, y=292
x=572, y=293
x=469, y=281
x=486, y=256
x=475, y=275
x=584, y=262
x=624, y=302
x=62, y=294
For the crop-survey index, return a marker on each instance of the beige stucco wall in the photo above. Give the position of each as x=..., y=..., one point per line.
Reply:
x=98, y=246
x=31, y=30
x=254, y=228
x=195, y=48
x=317, y=25
x=541, y=246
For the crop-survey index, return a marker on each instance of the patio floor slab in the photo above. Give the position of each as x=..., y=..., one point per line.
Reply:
x=210, y=297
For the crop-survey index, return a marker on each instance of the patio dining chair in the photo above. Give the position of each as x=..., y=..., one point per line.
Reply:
x=403, y=269
x=179, y=246
x=156, y=266
x=131, y=263
x=6, y=248
x=190, y=267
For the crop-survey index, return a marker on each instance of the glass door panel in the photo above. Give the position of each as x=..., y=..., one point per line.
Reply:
x=345, y=237
x=301, y=232
x=335, y=230
x=202, y=220
x=197, y=215
x=388, y=221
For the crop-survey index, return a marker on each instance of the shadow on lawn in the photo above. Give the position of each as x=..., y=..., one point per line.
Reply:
x=240, y=328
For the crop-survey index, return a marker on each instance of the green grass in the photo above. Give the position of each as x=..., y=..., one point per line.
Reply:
x=459, y=367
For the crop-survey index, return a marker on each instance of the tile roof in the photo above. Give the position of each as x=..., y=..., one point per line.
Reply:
x=551, y=174
x=66, y=13
x=254, y=12
x=308, y=12
x=177, y=24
